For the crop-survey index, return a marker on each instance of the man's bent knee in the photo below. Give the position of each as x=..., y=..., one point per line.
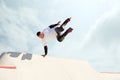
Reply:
x=60, y=39
x=58, y=29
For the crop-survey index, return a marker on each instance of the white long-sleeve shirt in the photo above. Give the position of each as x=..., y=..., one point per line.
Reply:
x=49, y=34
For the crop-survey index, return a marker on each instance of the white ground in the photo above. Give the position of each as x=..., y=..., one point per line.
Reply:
x=35, y=67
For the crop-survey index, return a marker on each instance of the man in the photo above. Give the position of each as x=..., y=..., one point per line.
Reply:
x=53, y=32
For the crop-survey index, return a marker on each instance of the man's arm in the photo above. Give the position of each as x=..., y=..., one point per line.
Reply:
x=53, y=25
x=46, y=50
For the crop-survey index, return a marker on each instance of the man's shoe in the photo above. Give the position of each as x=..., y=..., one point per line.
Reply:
x=68, y=19
x=69, y=30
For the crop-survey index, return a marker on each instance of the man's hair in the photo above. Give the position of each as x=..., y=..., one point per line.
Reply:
x=38, y=33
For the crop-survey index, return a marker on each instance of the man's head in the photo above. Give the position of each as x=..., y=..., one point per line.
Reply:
x=40, y=35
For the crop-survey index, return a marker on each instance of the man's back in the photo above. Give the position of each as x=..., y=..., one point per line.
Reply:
x=49, y=34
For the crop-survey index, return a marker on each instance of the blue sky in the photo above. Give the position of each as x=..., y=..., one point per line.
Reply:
x=92, y=20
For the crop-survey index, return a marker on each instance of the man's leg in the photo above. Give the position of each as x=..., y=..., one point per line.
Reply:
x=65, y=22
x=60, y=38
x=61, y=28
x=58, y=31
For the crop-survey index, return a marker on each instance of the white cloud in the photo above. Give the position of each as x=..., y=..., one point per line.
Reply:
x=16, y=32
x=103, y=41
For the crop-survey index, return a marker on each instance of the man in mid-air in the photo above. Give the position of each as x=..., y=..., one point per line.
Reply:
x=53, y=32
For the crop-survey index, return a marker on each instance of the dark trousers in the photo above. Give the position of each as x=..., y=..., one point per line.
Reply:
x=60, y=37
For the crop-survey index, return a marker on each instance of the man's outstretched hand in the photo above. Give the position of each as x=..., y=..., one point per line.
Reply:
x=58, y=23
x=43, y=55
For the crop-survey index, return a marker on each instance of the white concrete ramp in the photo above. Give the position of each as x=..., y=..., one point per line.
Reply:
x=25, y=66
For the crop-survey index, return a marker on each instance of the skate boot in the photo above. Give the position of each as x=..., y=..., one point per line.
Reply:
x=66, y=21
x=69, y=30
